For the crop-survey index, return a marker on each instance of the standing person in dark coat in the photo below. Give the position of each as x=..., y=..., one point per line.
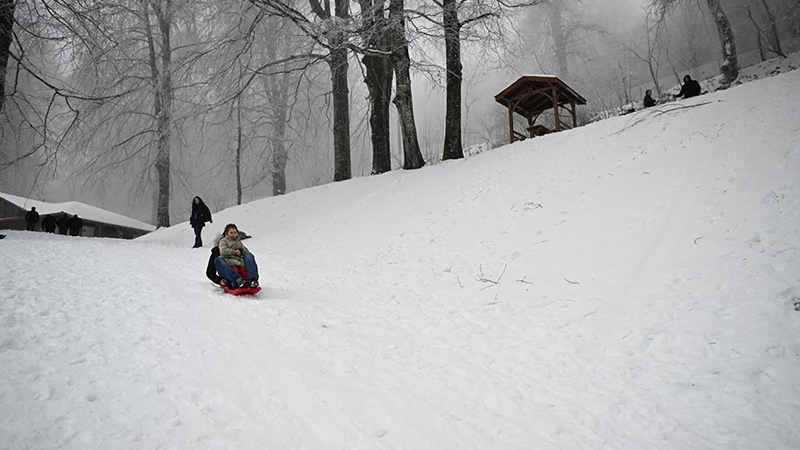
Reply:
x=200, y=215
x=648, y=99
x=49, y=224
x=63, y=225
x=75, y=224
x=690, y=88
x=31, y=218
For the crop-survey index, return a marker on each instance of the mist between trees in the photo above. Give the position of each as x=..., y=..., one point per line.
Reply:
x=138, y=105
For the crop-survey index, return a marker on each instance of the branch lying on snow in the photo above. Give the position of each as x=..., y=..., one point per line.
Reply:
x=531, y=205
x=523, y=280
x=657, y=111
x=482, y=278
x=695, y=241
x=570, y=281
x=458, y=279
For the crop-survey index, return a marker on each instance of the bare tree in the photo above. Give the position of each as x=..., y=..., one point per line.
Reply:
x=276, y=87
x=6, y=37
x=768, y=40
x=159, y=85
x=329, y=28
x=730, y=60
x=378, y=78
x=401, y=61
x=774, y=35
x=161, y=76
x=459, y=20
x=651, y=54
x=453, y=147
x=555, y=9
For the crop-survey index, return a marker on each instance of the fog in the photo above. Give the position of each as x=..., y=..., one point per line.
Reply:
x=52, y=152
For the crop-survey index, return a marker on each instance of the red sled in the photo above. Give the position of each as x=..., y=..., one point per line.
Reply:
x=242, y=291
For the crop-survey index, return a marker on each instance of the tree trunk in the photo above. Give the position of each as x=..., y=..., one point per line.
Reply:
x=403, y=99
x=341, y=110
x=279, y=153
x=559, y=37
x=760, y=41
x=6, y=37
x=775, y=36
x=239, y=149
x=378, y=79
x=280, y=110
x=162, y=103
x=453, y=148
x=164, y=120
x=730, y=59
x=341, y=94
x=278, y=96
x=654, y=76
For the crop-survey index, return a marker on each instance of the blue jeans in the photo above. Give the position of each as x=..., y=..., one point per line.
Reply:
x=225, y=271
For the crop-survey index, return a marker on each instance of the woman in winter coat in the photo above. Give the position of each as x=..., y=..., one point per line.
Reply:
x=233, y=253
x=200, y=215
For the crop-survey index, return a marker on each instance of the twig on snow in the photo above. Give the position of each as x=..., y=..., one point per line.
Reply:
x=482, y=278
x=524, y=281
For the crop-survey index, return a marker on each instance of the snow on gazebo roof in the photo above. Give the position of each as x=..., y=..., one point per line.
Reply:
x=533, y=87
x=84, y=211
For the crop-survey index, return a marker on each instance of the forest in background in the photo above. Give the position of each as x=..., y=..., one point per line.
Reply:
x=138, y=105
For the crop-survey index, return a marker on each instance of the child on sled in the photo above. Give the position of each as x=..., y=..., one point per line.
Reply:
x=233, y=257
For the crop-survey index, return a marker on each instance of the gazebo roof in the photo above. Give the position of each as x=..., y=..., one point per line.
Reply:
x=531, y=94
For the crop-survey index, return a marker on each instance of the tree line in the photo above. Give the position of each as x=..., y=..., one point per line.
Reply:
x=151, y=87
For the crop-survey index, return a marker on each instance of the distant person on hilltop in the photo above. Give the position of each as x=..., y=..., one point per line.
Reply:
x=648, y=99
x=63, y=225
x=75, y=224
x=200, y=215
x=690, y=88
x=31, y=218
x=49, y=224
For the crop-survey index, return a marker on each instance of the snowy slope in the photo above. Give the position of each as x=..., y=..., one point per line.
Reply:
x=628, y=284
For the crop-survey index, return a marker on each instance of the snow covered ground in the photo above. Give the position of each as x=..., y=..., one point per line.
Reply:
x=625, y=285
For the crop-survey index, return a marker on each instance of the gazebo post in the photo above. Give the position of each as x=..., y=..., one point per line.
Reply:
x=530, y=125
x=511, y=122
x=574, y=114
x=555, y=108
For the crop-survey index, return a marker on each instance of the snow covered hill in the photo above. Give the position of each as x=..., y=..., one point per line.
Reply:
x=629, y=284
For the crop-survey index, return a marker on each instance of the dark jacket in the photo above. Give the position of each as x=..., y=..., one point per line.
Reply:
x=49, y=224
x=649, y=101
x=200, y=214
x=690, y=89
x=63, y=224
x=32, y=217
x=75, y=224
x=211, y=270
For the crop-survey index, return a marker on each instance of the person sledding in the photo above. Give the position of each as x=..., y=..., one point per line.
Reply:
x=235, y=265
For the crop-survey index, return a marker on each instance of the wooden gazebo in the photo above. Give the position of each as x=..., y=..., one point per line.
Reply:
x=532, y=95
